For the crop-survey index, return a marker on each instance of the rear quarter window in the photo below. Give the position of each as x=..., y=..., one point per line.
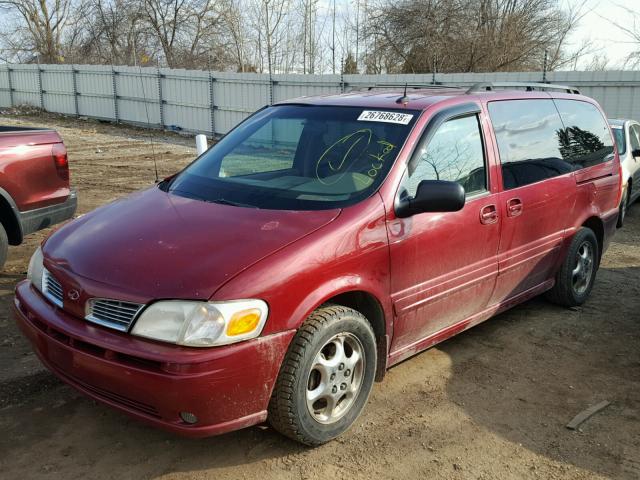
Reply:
x=585, y=140
x=540, y=139
x=528, y=135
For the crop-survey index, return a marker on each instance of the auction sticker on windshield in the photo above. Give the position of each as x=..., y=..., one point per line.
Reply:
x=389, y=117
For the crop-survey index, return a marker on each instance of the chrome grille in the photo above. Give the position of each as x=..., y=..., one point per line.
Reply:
x=112, y=313
x=52, y=288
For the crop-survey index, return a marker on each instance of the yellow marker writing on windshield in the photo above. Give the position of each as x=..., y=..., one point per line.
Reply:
x=356, y=137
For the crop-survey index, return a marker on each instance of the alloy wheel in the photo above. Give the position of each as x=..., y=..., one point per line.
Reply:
x=583, y=270
x=335, y=378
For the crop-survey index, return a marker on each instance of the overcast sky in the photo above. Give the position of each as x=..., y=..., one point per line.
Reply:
x=608, y=40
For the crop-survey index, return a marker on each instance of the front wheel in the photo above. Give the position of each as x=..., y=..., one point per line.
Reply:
x=326, y=376
x=577, y=274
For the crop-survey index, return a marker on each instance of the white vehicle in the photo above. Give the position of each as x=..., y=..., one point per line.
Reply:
x=627, y=135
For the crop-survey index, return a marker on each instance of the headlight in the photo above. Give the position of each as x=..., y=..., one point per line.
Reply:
x=202, y=324
x=36, y=267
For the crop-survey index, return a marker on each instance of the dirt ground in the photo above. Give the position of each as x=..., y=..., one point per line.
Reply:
x=491, y=403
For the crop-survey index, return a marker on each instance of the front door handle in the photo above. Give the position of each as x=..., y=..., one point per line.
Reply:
x=514, y=207
x=488, y=215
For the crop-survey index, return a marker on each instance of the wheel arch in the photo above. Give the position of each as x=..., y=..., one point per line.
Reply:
x=10, y=218
x=352, y=295
x=595, y=224
x=368, y=305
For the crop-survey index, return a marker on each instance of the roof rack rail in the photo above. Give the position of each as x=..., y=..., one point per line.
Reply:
x=530, y=87
x=411, y=85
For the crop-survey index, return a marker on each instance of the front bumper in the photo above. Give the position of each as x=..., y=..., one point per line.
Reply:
x=227, y=388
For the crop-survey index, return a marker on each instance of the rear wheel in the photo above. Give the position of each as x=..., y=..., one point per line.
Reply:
x=575, y=279
x=326, y=376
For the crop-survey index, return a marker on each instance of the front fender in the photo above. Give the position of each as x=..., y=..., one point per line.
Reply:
x=349, y=254
x=337, y=286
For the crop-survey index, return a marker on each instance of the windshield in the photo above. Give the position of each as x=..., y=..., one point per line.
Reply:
x=618, y=133
x=296, y=157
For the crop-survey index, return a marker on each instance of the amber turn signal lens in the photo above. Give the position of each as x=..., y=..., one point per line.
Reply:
x=243, y=322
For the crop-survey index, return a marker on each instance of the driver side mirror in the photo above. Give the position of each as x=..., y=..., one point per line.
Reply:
x=432, y=196
x=635, y=153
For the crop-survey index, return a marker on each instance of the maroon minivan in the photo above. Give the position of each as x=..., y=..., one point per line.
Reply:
x=320, y=242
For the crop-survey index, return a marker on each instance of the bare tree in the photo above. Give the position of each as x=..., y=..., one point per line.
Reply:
x=598, y=63
x=185, y=29
x=114, y=32
x=471, y=35
x=38, y=28
x=632, y=30
x=272, y=31
x=300, y=36
x=238, y=33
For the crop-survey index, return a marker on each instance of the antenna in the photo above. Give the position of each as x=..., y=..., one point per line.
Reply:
x=403, y=99
x=146, y=109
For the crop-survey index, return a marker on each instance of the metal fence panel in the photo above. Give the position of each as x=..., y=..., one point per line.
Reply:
x=25, y=86
x=236, y=96
x=5, y=87
x=185, y=100
x=57, y=89
x=95, y=92
x=214, y=102
x=137, y=95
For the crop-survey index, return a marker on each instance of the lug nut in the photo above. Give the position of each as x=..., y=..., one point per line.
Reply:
x=341, y=366
x=334, y=389
x=332, y=377
x=343, y=386
x=347, y=372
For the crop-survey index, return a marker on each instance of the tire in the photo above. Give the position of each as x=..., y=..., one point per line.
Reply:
x=622, y=210
x=577, y=274
x=316, y=363
x=4, y=246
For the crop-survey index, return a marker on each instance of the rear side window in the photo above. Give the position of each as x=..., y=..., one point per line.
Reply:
x=455, y=153
x=528, y=134
x=585, y=139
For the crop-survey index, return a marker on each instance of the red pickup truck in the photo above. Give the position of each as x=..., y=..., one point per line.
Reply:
x=34, y=184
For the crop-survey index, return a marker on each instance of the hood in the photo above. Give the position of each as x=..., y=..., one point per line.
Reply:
x=154, y=245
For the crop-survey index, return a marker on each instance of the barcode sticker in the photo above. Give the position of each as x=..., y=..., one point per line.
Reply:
x=388, y=117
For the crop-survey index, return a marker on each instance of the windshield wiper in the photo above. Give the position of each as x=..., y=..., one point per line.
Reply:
x=224, y=201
